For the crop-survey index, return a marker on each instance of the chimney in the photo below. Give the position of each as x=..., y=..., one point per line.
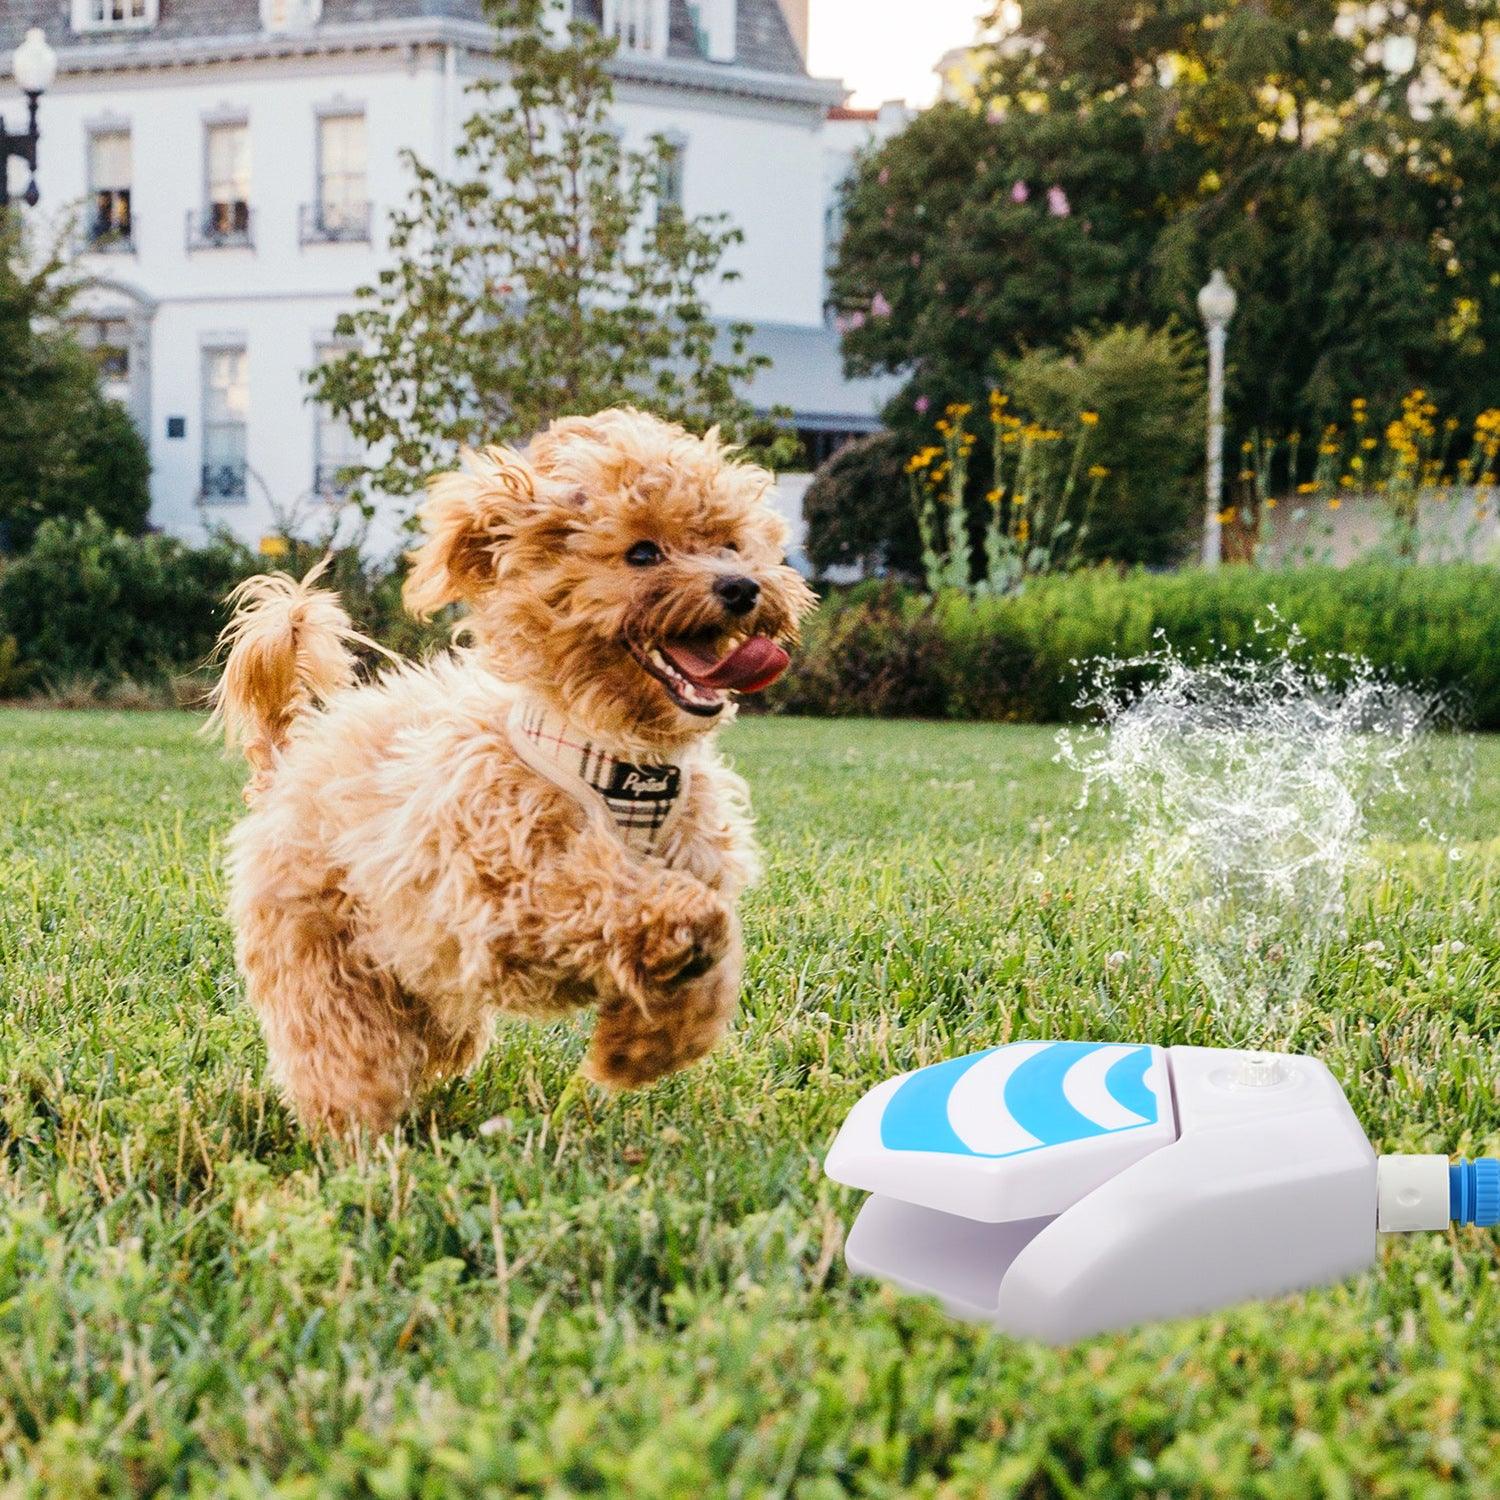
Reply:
x=795, y=12
x=716, y=25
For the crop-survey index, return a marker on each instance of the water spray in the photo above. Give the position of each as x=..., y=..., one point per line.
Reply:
x=1060, y=1189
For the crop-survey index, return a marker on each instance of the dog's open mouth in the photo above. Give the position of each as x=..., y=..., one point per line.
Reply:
x=699, y=676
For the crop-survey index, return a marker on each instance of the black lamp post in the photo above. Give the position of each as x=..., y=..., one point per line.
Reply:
x=35, y=66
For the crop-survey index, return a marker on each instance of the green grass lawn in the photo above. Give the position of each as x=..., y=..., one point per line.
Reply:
x=647, y=1296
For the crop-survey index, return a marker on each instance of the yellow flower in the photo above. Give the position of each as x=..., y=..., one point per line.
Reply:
x=1359, y=403
x=1310, y=487
x=1347, y=480
x=1369, y=442
x=1021, y=500
x=1247, y=473
x=1335, y=503
x=1023, y=529
x=1098, y=471
x=1270, y=502
x=274, y=546
x=1226, y=516
x=995, y=496
x=1089, y=418
x=1247, y=446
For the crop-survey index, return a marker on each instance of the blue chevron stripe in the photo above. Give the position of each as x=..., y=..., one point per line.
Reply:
x=1034, y=1096
x=916, y=1115
x=1126, y=1082
x=917, y=1118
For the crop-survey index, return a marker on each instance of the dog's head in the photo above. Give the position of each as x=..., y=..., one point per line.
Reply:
x=621, y=567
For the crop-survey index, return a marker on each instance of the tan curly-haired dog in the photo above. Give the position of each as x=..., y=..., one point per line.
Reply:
x=533, y=824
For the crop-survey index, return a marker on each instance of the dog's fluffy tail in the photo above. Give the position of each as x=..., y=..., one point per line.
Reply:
x=285, y=649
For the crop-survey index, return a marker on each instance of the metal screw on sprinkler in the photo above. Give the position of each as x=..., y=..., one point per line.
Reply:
x=1062, y=1189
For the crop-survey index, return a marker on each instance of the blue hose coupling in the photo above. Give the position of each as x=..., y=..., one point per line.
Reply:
x=1474, y=1191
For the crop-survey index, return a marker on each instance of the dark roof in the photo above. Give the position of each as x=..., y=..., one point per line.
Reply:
x=764, y=40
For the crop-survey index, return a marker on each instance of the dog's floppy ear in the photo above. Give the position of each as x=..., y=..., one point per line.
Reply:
x=470, y=517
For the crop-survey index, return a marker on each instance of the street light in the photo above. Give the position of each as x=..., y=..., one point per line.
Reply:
x=34, y=64
x=1216, y=302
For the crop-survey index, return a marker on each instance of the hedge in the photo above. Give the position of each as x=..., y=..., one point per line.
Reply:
x=880, y=650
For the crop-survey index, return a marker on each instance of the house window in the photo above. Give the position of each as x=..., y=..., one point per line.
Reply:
x=342, y=210
x=226, y=409
x=669, y=180
x=227, y=216
x=108, y=340
x=108, y=224
x=113, y=15
x=335, y=447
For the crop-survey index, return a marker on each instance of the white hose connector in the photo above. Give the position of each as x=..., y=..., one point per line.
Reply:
x=1412, y=1192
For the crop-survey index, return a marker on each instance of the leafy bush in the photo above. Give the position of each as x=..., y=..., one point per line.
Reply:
x=1145, y=386
x=859, y=512
x=90, y=602
x=1021, y=656
x=870, y=655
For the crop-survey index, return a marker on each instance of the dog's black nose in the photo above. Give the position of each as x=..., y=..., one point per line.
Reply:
x=738, y=594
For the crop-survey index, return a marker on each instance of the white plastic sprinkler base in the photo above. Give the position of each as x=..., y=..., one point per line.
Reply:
x=1057, y=1194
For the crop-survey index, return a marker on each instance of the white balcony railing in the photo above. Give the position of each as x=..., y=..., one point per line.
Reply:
x=639, y=25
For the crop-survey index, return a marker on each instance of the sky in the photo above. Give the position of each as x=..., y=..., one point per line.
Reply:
x=887, y=49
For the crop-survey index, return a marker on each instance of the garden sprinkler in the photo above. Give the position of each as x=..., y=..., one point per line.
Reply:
x=1062, y=1189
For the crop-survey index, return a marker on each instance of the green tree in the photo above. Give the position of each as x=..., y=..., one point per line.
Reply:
x=65, y=448
x=548, y=274
x=1120, y=148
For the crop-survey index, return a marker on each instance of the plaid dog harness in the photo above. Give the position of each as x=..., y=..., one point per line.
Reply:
x=641, y=801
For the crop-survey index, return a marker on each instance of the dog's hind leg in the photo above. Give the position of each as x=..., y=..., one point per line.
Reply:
x=344, y=1043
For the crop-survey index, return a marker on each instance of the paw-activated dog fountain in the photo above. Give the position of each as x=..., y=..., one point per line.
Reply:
x=1062, y=1189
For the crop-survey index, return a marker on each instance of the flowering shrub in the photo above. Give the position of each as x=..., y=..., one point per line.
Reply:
x=1038, y=502
x=1413, y=458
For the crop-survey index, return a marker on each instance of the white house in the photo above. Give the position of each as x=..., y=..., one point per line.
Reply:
x=231, y=164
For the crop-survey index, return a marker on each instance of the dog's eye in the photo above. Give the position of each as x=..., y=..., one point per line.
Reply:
x=731, y=546
x=643, y=555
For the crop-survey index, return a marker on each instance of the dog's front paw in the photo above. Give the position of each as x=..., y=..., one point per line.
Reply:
x=688, y=933
x=632, y=1047
x=678, y=933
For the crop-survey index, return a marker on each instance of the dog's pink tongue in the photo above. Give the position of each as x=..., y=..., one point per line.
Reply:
x=754, y=665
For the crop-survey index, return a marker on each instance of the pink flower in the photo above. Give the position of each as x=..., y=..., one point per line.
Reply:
x=922, y=403
x=995, y=113
x=885, y=176
x=916, y=258
x=879, y=307
x=855, y=319
x=1019, y=193
x=1057, y=202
